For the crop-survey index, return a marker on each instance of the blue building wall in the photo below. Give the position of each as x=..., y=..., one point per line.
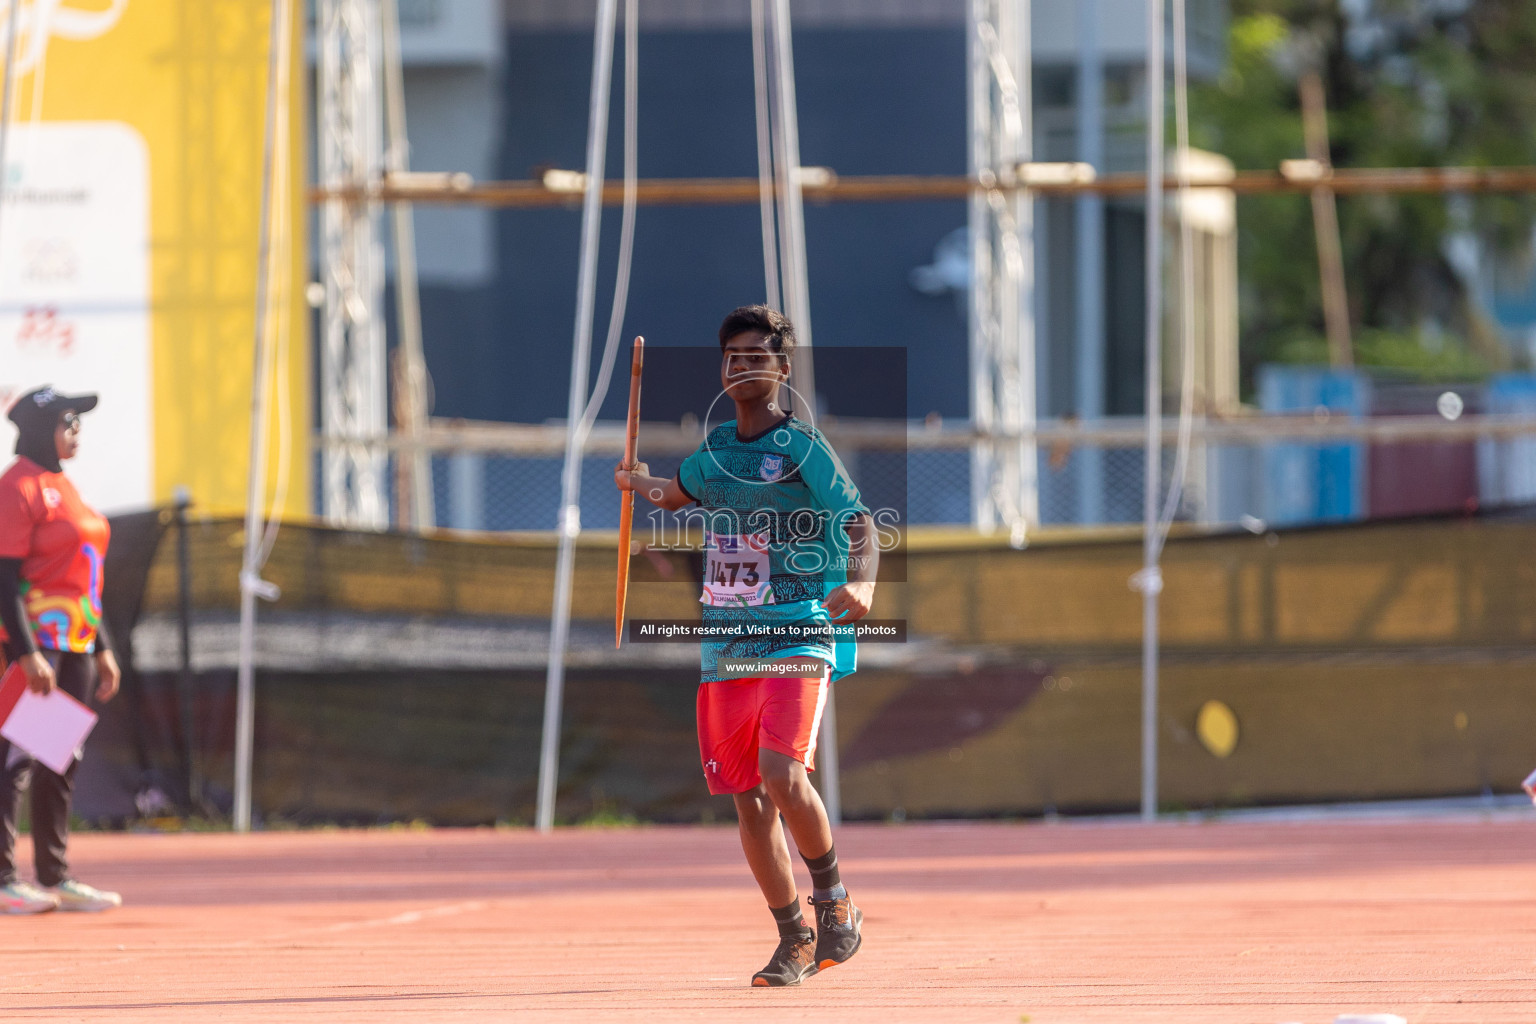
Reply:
x=883, y=101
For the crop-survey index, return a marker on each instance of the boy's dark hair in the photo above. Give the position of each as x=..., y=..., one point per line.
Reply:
x=781, y=333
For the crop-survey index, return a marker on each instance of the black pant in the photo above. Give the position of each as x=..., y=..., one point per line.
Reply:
x=52, y=793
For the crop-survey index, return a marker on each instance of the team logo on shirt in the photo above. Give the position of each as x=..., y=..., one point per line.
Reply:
x=51, y=497
x=772, y=468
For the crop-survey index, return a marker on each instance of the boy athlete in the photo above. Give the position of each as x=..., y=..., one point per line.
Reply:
x=788, y=546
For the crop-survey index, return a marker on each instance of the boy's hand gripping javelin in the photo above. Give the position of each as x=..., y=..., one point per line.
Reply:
x=627, y=508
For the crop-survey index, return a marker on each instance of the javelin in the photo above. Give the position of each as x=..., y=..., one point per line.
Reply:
x=627, y=508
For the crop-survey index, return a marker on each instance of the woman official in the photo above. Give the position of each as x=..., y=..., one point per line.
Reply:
x=52, y=548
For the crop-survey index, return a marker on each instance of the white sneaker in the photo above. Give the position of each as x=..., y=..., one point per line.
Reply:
x=73, y=895
x=25, y=898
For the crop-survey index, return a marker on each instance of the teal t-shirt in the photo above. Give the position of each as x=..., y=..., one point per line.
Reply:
x=774, y=508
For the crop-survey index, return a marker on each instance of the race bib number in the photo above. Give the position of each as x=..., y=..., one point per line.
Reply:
x=736, y=570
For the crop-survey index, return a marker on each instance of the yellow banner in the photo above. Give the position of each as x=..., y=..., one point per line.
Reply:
x=129, y=240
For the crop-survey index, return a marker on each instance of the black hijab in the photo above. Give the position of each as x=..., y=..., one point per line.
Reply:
x=35, y=441
x=37, y=415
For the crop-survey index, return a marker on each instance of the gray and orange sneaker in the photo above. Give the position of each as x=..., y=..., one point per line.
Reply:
x=792, y=962
x=837, y=931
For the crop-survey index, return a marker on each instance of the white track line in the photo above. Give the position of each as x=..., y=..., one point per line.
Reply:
x=408, y=918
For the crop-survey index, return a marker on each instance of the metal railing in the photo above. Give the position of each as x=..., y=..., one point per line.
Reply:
x=1269, y=468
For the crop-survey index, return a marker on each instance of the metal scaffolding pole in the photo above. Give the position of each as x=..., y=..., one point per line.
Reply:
x=351, y=158
x=414, y=497
x=1004, y=476
x=1044, y=179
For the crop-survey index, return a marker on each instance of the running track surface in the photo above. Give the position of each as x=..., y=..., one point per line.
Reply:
x=1434, y=920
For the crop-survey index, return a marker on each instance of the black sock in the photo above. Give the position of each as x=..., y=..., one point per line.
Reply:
x=789, y=919
x=827, y=883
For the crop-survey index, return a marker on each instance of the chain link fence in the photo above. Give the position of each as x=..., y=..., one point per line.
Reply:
x=1358, y=470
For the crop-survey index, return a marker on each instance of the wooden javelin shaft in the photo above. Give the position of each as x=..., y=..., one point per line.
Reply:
x=627, y=502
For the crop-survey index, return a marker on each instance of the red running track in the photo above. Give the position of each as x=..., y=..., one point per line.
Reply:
x=1434, y=920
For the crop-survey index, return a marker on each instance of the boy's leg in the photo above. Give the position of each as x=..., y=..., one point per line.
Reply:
x=790, y=789
x=728, y=721
x=786, y=747
x=762, y=840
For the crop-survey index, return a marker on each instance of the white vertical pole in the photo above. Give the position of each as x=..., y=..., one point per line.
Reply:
x=1026, y=511
x=831, y=767
x=1150, y=578
x=255, y=490
x=1089, y=385
x=765, y=154
x=581, y=358
x=353, y=388
x=795, y=277
x=5, y=93
x=982, y=328
x=1005, y=474
x=797, y=298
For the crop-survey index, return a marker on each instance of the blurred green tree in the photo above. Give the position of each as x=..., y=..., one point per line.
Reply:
x=1409, y=83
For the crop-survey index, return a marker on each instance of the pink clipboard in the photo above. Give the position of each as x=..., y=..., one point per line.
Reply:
x=51, y=728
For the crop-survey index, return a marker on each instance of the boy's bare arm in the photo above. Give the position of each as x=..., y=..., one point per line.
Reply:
x=853, y=600
x=659, y=491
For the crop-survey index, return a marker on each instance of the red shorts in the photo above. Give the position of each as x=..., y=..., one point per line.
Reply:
x=739, y=717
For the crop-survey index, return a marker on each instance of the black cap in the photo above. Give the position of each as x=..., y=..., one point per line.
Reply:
x=44, y=406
